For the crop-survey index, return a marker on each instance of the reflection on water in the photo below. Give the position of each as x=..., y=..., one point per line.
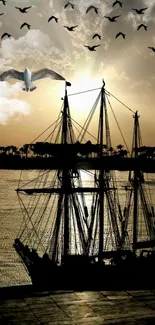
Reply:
x=12, y=271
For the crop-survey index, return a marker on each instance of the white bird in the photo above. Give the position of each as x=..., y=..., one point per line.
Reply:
x=27, y=76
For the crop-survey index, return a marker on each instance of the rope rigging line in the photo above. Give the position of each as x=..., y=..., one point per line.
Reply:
x=39, y=223
x=83, y=198
x=29, y=217
x=108, y=93
x=36, y=139
x=87, y=172
x=146, y=175
x=21, y=229
x=92, y=223
x=46, y=130
x=32, y=202
x=77, y=129
x=35, y=179
x=96, y=227
x=58, y=136
x=89, y=118
x=74, y=233
x=118, y=124
x=85, y=91
x=84, y=129
x=52, y=225
x=71, y=131
x=45, y=206
x=51, y=134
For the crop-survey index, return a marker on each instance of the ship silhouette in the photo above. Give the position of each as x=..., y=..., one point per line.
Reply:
x=66, y=242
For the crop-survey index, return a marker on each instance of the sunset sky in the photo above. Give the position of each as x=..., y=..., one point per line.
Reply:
x=127, y=66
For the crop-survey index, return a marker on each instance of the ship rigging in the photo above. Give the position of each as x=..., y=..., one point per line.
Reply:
x=68, y=226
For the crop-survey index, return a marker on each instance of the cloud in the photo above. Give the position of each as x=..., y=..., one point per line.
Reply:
x=140, y=83
x=56, y=48
x=134, y=19
x=88, y=24
x=150, y=12
x=113, y=73
x=10, y=106
x=33, y=40
x=148, y=16
x=7, y=90
x=39, y=14
x=53, y=46
x=35, y=49
x=87, y=3
x=51, y=4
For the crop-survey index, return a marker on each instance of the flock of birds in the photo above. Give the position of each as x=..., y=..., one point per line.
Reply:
x=72, y=28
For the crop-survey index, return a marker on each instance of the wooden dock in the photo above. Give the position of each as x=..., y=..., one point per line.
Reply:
x=22, y=306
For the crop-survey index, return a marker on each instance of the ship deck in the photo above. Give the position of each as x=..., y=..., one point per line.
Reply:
x=22, y=305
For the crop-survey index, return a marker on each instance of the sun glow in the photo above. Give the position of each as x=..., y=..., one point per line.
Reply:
x=81, y=104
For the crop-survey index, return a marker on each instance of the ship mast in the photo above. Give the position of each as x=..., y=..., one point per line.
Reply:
x=136, y=174
x=65, y=176
x=101, y=176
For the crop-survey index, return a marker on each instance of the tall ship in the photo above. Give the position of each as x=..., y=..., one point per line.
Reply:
x=79, y=235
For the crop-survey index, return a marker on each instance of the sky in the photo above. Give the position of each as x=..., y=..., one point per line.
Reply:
x=127, y=66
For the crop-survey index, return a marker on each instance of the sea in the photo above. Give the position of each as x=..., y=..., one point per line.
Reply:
x=12, y=270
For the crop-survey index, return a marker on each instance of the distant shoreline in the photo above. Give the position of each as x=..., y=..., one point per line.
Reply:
x=88, y=163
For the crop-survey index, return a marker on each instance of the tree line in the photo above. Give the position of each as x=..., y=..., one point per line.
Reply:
x=46, y=149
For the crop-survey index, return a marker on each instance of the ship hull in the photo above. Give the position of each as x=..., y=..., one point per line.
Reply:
x=96, y=277
x=117, y=270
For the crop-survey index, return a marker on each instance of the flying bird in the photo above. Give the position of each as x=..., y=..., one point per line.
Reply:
x=23, y=10
x=92, y=48
x=6, y=34
x=92, y=7
x=3, y=1
x=2, y=14
x=25, y=24
x=142, y=25
x=112, y=19
x=140, y=11
x=120, y=34
x=71, y=29
x=117, y=2
x=96, y=35
x=69, y=4
x=152, y=48
x=27, y=76
x=53, y=17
